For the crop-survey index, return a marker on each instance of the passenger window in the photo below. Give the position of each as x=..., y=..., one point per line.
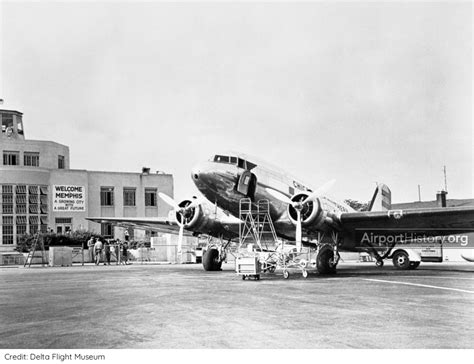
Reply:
x=233, y=160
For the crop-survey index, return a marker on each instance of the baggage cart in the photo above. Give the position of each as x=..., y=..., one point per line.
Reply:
x=248, y=267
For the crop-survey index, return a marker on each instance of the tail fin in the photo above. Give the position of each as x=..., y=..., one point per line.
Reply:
x=382, y=199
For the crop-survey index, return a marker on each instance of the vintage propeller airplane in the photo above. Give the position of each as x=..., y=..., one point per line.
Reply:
x=299, y=214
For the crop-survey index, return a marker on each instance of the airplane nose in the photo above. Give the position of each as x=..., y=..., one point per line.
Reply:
x=201, y=174
x=195, y=172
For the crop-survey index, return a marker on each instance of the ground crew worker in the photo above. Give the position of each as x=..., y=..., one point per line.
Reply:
x=97, y=250
x=90, y=247
x=124, y=252
x=117, y=251
x=107, y=252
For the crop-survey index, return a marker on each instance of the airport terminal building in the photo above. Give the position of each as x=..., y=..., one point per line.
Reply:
x=39, y=191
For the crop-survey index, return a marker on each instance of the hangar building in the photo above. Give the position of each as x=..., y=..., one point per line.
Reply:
x=39, y=191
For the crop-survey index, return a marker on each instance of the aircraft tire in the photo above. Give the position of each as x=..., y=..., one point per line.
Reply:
x=323, y=261
x=400, y=260
x=414, y=265
x=210, y=260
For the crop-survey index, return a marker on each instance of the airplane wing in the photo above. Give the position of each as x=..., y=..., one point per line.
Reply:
x=227, y=228
x=428, y=222
x=159, y=224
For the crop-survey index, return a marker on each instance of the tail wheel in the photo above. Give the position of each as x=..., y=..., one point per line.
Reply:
x=325, y=261
x=210, y=260
x=400, y=260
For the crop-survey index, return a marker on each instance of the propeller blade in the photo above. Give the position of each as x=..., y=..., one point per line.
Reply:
x=298, y=230
x=279, y=196
x=169, y=201
x=319, y=191
x=180, y=238
x=195, y=202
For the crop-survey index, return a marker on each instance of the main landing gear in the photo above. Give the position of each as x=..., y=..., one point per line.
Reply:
x=328, y=255
x=214, y=255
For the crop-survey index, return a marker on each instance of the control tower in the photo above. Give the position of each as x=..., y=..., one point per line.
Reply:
x=12, y=124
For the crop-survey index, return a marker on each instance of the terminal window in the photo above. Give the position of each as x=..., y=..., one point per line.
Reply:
x=7, y=199
x=7, y=189
x=106, y=196
x=20, y=199
x=33, y=224
x=150, y=197
x=21, y=225
x=11, y=158
x=7, y=122
x=21, y=190
x=60, y=162
x=106, y=230
x=34, y=199
x=21, y=208
x=31, y=159
x=19, y=126
x=129, y=196
x=7, y=230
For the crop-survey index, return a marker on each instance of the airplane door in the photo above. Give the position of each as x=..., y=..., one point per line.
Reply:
x=247, y=184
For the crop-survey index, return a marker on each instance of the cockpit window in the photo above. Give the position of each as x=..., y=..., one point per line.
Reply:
x=221, y=159
x=225, y=159
x=250, y=165
x=241, y=164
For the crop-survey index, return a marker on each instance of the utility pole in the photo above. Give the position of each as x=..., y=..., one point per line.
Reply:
x=445, y=180
x=419, y=193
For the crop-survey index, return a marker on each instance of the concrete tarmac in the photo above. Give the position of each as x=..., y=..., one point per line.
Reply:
x=182, y=306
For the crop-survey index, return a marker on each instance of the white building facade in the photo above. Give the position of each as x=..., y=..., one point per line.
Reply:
x=39, y=191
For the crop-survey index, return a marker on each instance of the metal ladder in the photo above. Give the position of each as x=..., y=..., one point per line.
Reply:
x=256, y=225
x=31, y=253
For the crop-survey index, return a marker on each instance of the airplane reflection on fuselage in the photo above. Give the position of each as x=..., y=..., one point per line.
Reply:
x=217, y=183
x=218, y=179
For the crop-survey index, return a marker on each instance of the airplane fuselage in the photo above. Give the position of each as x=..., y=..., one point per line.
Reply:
x=222, y=180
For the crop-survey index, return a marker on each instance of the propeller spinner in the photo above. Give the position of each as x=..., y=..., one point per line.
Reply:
x=183, y=211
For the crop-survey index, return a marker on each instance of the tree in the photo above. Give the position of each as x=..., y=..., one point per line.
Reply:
x=75, y=238
x=356, y=205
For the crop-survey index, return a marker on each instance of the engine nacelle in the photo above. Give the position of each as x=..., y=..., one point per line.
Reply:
x=311, y=213
x=200, y=218
x=188, y=217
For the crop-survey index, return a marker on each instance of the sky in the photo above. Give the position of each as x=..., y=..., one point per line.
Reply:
x=357, y=92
